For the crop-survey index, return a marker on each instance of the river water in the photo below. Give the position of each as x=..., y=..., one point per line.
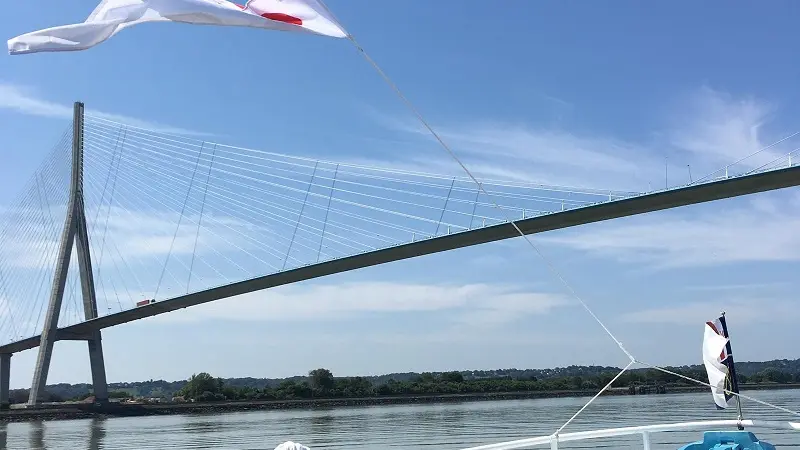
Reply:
x=445, y=426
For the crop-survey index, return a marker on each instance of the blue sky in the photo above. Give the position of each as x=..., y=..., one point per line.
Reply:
x=590, y=95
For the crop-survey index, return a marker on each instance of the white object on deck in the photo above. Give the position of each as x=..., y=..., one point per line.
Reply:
x=289, y=445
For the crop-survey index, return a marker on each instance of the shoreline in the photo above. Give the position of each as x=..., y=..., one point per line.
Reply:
x=72, y=411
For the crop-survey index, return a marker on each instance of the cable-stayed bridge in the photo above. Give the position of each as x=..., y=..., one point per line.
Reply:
x=121, y=223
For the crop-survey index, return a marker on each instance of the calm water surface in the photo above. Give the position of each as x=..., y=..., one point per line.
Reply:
x=448, y=426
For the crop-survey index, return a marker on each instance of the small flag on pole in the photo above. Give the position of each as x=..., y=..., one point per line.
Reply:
x=718, y=360
x=112, y=16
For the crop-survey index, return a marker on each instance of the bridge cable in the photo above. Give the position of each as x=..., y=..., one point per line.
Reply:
x=699, y=180
x=200, y=219
x=120, y=142
x=21, y=225
x=604, y=195
x=166, y=188
x=540, y=186
x=177, y=228
x=447, y=148
x=124, y=209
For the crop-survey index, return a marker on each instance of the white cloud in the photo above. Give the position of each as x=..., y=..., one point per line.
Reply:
x=26, y=100
x=739, y=286
x=714, y=125
x=755, y=309
x=470, y=304
x=136, y=234
x=764, y=230
x=709, y=130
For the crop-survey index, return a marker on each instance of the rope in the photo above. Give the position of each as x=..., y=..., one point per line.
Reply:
x=760, y=402
x=452, y=154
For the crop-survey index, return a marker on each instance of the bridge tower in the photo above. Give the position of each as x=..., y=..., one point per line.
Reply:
x=75, y=232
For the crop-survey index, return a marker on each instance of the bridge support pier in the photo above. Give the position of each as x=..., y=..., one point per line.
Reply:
x=5, y=379
x=75, y=232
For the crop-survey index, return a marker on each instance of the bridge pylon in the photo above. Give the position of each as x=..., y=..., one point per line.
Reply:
x=75, y=233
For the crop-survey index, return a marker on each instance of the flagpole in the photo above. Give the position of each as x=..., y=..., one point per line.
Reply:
x=734, y=378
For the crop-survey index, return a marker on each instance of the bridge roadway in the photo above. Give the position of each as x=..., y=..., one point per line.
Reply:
x=645, y=203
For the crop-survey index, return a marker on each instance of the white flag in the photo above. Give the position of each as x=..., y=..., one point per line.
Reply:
x=112, y=16
x=714, y=356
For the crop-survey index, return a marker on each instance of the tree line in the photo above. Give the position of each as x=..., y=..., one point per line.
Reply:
x=321, y=383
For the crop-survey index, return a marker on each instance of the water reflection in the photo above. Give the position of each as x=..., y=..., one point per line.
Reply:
x=36, y=435
x=322, y=422
x=97, y=433
x=448, y=426
x=3, y=436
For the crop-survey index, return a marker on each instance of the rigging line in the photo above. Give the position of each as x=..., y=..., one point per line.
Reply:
x=327, y=210
x=44, y=279
x=787, y=155
x=180, y=218
x=200, y=220
x=287, y=187
x=444, y=209
x=23, y=235
x=347, y=227
x=129, y=213
x=346, y=202
x=455, y=157
x=604, y=195
x=605, y=388
x=143, y=266
x=71, y=302
x=212, y=232
x=748, y=156
x=22, y=202
x=263, y=213
x=508, y=183
x=299, y=218
x=282, y=196
x=23, y=225
x=127, y=265
x=28, y=232
x=200, y=259
x=271, y=250
x=117, y=148
x=408, y=182
x=49, y=209
x=119, y=272
x=761, y=402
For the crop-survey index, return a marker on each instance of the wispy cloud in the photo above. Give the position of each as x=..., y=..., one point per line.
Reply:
x=739, y=286
x=703, y=131
x=706, y=131
x=469, y=304
x=713, y=125
x=755, y=309
x=26, y=100
x=762, y=230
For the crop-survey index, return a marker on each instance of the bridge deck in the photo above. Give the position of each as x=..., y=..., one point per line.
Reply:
x=683, y=196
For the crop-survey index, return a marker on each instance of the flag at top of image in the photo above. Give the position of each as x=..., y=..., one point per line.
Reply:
x=112, y=16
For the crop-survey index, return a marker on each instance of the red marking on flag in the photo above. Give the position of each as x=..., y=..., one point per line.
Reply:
x=279, y=17
x=285, y=18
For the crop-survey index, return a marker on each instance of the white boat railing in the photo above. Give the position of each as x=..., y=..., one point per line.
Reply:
x=645, y=431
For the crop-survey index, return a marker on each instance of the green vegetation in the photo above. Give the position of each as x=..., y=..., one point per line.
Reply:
x=320, y=383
